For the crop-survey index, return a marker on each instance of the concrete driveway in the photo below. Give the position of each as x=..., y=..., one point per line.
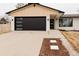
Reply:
x=23, y=42
x=27, y=43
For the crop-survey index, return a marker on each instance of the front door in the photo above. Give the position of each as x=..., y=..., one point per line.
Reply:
x=51, y=23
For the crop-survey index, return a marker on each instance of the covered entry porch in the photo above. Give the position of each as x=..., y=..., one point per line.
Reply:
x=53, y=18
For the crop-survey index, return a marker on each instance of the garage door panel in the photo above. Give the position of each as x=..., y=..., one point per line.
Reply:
x=32, y=23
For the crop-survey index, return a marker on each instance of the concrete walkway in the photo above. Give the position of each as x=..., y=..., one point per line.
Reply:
x=28, y=42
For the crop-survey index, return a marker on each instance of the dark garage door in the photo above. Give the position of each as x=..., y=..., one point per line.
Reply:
x=30, y=23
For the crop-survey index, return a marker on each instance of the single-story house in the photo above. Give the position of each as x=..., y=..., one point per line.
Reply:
x=37, y=17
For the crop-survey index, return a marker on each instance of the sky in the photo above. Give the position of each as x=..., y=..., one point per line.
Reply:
x=68, y=8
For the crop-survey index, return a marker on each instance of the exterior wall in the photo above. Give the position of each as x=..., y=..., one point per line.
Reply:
x=75, y=25
x=47, y=23
x=12, y=22
x=34, y=11
x=5, y=28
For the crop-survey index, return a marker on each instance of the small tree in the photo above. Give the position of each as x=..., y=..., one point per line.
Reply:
x=3, y=21
x=20, y=5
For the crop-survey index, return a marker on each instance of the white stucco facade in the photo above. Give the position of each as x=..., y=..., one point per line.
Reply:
x=56, y=24
x=12, y=22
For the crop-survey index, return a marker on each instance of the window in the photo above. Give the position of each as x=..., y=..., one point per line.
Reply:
x=19, y=28
x=19, y=25
x=65, y=22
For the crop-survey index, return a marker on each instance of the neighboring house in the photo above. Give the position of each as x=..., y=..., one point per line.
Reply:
x=37, y=17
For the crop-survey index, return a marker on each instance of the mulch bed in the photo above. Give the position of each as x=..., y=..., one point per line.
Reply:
x=46, y=51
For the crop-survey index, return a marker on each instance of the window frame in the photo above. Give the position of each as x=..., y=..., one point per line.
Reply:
x=67, y=18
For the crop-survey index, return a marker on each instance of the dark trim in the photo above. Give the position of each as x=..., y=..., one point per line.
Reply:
x=70, y=17
x=30, y=16
x=34, y=4
x=51, y=8
x=17, y=8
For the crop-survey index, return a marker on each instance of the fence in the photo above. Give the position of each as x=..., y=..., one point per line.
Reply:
x=5, y=28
